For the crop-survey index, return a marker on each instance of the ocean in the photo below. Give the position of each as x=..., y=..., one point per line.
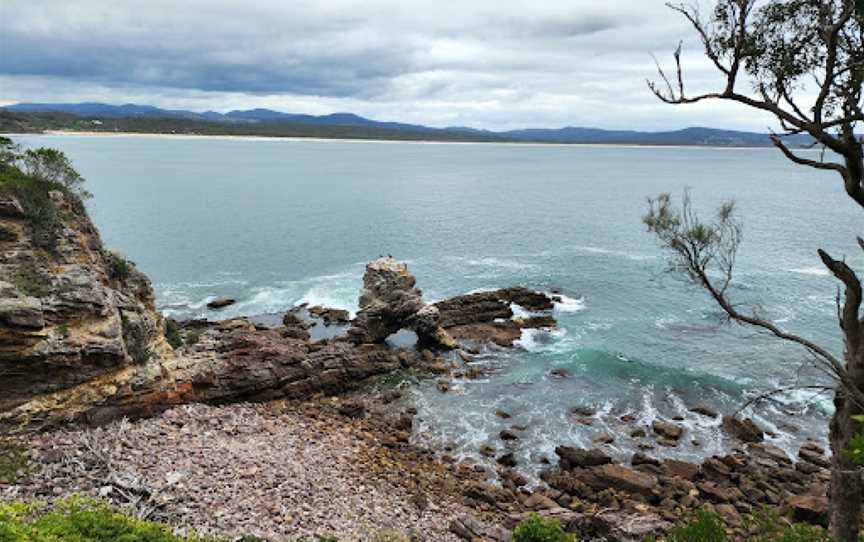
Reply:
x=275, y=223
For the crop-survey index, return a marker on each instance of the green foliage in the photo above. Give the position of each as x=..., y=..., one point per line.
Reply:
x=79, y=520
x=193, y=336
x=856, y=445
x=63, y=330
x=537, y=529
x=53, y=166
x=27, y=280
x=701, y=526
x=32, y=194
x=172, y=334
x=136, y=339
x=14, y=462
x=119, y=268
x=696, y=248
x=762, y=526
x=768, y=526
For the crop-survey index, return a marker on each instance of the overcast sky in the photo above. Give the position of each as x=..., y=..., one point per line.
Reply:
x=494, y=64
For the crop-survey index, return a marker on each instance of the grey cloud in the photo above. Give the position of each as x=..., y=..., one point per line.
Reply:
x=490, y=63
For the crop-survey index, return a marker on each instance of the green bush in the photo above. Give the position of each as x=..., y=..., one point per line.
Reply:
x=79, y=520
x=136, y=340
x=119, y=268
x=537, y=529
x=172, y=334
x=29, y=281
x=769, y=526
x=32, y=194
x=701, y=526
x=14, y=462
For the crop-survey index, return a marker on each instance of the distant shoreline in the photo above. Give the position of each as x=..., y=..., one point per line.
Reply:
x=162, y=135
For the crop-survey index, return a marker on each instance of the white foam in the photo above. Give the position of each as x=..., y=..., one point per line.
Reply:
x=569, y=304
x=612, y=252
x=814, y=270
x=499, y=263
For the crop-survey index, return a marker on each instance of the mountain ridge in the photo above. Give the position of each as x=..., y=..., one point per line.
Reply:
x=696, y=135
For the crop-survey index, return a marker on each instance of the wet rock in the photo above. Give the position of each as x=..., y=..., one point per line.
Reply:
x=571, y=458
x=667, y=430
x=605, y=438
x=221, y=303
x=560, y=373
x=502, y=414
x=584, y=410
x=705, y=411
x=330, y=315
x=744, y=429
x=507, y=460
x=508, y=434
x=641, y=459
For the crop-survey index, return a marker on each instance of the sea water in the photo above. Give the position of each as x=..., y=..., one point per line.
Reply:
x=275, y=223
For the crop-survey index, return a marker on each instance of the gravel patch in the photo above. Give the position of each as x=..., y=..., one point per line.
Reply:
x=275, y=470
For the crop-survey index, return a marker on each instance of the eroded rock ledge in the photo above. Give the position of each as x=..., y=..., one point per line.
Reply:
x=81, y=340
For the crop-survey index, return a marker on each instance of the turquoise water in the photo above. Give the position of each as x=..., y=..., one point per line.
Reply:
x=274, y=223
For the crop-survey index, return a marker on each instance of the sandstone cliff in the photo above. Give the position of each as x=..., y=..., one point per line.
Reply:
x=70, y=311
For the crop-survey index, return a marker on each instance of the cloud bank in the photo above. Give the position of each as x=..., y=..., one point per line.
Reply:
x=490, y=64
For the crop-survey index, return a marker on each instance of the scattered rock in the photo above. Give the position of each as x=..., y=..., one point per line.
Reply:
x=667, y=430
x=705, y=411
x=571, y=458
x=221, y=303
x=744, y=430
x=810, y=508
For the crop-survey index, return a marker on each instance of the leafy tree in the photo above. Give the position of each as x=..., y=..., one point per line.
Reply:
x=53, y=166
x=802, y=61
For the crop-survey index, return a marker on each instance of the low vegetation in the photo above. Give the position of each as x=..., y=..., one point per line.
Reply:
x=763, y=526
x=28, y=281
x=538, y=529
x=135, y=337
x=14, y=463
x=119, y=268
x=172, y=334
x=30, y=176
x=79, y=520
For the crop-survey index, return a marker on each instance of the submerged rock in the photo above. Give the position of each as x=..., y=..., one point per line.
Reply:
x=221, y=303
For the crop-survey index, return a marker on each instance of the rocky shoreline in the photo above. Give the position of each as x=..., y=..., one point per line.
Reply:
x=268, y=426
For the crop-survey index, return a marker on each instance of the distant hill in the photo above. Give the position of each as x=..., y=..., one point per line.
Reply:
x=383, y=130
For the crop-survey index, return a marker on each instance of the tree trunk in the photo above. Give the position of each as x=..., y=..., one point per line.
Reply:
x=846, y=484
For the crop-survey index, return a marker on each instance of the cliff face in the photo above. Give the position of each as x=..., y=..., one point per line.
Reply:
x=70, y=311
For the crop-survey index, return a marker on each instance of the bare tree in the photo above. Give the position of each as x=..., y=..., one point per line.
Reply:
x=802, y=61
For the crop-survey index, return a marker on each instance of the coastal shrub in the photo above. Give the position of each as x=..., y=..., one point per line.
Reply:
x=32, y=194
x=14, y=462
x=537, y=529
x=701, y=526
x=79, y=520
x=172, y=334
x=119, y=268
x=27, y=280
x=54, y=167
x=193, y=336
x=135, y=338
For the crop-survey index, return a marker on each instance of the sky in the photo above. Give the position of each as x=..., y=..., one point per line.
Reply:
x=494, y=64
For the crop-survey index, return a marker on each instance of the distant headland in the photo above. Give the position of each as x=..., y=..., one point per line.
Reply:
x=132, y=118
